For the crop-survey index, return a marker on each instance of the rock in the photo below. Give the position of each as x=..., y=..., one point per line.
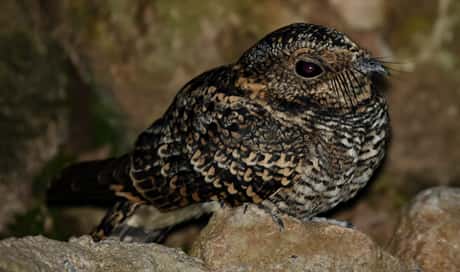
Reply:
x=428, y=235
x=235, y=240
x=361, y=14
x=424, y=76
x=32, y=116
x=38, y=253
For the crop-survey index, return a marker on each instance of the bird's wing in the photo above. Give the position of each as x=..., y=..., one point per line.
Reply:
x=211, y=145
x=229, y=146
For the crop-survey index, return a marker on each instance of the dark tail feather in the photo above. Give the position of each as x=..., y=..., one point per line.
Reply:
x=89, y=183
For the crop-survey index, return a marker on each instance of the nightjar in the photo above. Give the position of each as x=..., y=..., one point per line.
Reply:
x=297, y=125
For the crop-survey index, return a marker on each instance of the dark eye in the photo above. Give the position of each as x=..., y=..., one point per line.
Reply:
x=308, y=69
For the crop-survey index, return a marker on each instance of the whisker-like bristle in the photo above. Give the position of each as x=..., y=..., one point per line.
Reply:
x=393, y=70
x=395, y=66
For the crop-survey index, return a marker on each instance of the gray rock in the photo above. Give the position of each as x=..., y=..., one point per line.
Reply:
x=361, y=14
x=32, y=116
x=82, y=254
x=235, y=240
x=428, y=235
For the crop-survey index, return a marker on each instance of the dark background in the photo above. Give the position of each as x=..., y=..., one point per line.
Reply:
x=79, y=79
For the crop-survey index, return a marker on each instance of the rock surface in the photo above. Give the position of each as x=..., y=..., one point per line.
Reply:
x=240, y=239
x=32, y=116
x=235, y=240
x=428, y=235
x=41, y=254
x=352, y=12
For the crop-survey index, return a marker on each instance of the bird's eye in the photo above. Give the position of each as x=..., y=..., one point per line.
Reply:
x=308, y=69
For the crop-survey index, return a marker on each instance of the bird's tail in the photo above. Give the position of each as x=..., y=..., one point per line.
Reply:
x=91, y=183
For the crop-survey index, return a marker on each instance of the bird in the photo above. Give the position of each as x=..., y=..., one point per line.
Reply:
x=298, y=124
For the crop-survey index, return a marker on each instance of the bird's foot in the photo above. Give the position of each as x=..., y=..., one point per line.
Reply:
x=343, y=224
x=275, y=213
x=278, y=221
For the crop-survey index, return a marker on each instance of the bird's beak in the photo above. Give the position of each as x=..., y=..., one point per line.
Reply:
x=371, y=66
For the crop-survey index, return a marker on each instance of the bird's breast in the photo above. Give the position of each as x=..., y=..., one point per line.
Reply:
x=339, y=160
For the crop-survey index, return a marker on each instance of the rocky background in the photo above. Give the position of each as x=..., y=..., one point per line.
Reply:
x=80, y=78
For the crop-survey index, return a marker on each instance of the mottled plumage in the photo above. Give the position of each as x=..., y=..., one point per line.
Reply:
x=296, y=125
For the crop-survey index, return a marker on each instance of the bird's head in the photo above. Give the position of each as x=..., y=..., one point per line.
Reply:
x=309, y=66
